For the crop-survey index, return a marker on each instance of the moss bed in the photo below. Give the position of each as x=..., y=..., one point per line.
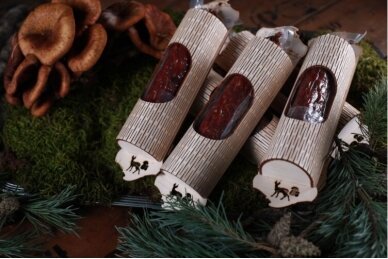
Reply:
x=75, y=143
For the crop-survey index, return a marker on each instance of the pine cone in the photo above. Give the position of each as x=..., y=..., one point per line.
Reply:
x=298, y=247
x=8, y=206
x=280, y=230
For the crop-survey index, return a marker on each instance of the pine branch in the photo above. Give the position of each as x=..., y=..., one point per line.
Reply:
x=18, y=245
x=187, y=230
x=374, y=115
x=351, y=215
x=52, y=212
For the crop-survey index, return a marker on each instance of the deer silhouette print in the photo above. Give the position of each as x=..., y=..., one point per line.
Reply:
x=281, y=190
x=294, y=191
x=175, y=192
x=178, y=194
x=137, y=165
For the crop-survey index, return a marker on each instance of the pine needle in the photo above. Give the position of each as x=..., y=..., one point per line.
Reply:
x=351, y=214
x=53, y=212
x=19, y=245
x=374, y=114
x=187, y=230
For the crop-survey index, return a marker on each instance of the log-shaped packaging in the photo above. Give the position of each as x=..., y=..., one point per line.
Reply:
x=231, y=50
x=349, y=129
x=147, y=134
x=222, y=127
x=256, y=147
x=298, y=152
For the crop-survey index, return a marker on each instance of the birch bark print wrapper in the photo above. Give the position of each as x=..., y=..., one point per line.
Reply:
x=147, y=134
x=298, y=152
x=222, y=127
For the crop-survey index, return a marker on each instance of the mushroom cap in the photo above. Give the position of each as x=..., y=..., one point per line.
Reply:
x=86, y=56
x=51, y=81
x=86, y=12
x=11, y=99
x=122, y=15
x=48, y=32
x=42, y=106
x=62, y=75
x=160, y=27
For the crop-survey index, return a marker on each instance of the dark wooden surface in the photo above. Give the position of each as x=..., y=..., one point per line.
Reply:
x=340, y=15
x=98, y=237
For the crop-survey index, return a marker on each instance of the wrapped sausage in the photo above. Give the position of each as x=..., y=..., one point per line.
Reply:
x=233, y=48
x=147, y=135
x=295, y=159
x=287, y=38
x=225, y=123
x=349, y=129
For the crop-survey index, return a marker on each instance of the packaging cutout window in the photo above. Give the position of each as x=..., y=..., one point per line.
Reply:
x=227, y=106
x=169, y=75
x=314, y=94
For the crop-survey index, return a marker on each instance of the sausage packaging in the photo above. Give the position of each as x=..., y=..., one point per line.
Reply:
x=291, y=169
x=225, y=123
x=147, y=134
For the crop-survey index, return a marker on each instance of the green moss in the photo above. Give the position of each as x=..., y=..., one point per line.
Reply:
x=75, y=143
x=370, y=69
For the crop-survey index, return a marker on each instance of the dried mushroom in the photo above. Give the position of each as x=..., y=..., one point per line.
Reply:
x=149, y=28
x=122, y=15
x=86, y=13
x=88, y=49
x=48, y=32
x=52, y=35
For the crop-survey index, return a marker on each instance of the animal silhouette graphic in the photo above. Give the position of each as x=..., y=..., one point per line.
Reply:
x=281, y=190
x=175, y=192
x=178, y=194
x=294, y=191
x=137, y=166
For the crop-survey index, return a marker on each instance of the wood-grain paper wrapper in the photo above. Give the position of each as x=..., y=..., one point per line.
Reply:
x=197, y=163
x=150, y=129
x=299, y=149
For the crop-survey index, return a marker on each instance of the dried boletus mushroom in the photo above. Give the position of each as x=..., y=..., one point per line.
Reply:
x=87, y=49
x=48, y=32
x=86, y=12
x=122, y=15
